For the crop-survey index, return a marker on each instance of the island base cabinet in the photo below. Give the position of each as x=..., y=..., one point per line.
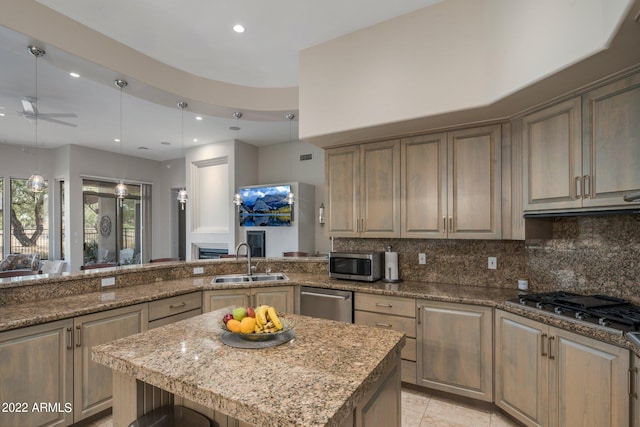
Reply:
x=547, y=376
x=35, y=369
x=635, y=399
x=455, y=348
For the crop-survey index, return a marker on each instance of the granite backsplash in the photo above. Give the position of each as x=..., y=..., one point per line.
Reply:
x=586, y=254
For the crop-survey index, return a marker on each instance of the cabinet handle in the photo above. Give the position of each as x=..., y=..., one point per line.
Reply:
x=543, y=340
x=444, y=224
x=450, y=224
x=78, y=336
x=362, y=225
x=182, y=304
x=379, y=304
x=419, y=314
x=384, y=325
x=69, y=338
x=578, y=184
x=632, y=393
x=551, y=356
x=586, y=186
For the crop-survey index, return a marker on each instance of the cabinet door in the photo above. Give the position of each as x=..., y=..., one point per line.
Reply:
x=380, y=189
x=424, y=186
x=589, y=382
x=521, y=376
x=552, y=157
x=93, y=381
x=217, y=299
x=611, y=126
x=342, y=172
x=455, y=348
x=280, y=297
x=37, y=366
x=635, y=398
x=474, y=183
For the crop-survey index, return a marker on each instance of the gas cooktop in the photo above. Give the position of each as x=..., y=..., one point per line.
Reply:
x=614, y=314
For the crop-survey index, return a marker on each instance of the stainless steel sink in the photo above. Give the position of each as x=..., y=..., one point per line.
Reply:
x=240, y=278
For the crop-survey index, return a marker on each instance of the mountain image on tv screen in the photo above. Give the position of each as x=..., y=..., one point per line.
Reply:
x=265, y=206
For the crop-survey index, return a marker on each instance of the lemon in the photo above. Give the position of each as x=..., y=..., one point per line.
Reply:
x=247, y=325
x=233, y=325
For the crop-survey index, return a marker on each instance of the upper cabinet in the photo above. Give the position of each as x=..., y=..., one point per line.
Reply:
x=363, y=190
x=451, y=184
x=583, y=152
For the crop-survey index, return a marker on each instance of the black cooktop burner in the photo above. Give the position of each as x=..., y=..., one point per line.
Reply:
x=610, y=312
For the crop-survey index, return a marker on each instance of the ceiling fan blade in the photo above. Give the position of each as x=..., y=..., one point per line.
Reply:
x=28, y=107
x=60, y=122
x=43, y=116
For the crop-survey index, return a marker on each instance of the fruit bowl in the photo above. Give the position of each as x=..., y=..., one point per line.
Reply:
x=263, y=336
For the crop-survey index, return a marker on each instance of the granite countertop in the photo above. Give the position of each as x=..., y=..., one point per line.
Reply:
x=314, y=380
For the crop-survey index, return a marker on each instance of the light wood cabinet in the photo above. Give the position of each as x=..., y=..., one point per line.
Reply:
x=363, y=190
x=546, y=376
x=451, y=184
x=635, y=399
x=395, y=313
x=37, y=366
x=280, y=297
x=455, y=348
x=583, y=152
x=168, y=310
x=92, y=381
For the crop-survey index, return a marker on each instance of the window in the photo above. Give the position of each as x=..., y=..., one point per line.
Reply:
x=29, y=220
x=112, y=230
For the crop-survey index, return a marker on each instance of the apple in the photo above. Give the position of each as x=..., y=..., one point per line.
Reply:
x=250, y=312
x=239, y=313
x=226, y=318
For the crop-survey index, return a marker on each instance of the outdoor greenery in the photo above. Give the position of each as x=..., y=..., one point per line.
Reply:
x=28, y=213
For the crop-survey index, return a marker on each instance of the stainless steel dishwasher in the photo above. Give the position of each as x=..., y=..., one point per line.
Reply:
x=327, y=303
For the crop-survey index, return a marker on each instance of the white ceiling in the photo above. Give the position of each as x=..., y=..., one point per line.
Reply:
x=194, y=36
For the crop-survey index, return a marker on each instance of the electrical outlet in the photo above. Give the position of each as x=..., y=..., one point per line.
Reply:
x=198, y=270
x=493, y=263
x=108, y=281
x=422, y=258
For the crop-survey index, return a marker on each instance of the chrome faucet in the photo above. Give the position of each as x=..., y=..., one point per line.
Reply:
x=248, y=255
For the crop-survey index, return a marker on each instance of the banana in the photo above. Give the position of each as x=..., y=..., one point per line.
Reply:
x=261, y=315
x=273, y=316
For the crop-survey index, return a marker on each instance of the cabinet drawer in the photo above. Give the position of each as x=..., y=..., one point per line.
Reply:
x=174, y=305
x=385, y=304
x=397, y=323
x=409, y=350
x=175, y=318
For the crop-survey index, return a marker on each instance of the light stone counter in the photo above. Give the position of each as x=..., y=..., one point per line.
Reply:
x=318, y=379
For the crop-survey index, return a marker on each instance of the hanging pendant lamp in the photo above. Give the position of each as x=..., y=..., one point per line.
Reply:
x=36, y=182
x=121, y=191
x=182, y=193
x=291, y=198
x=237, y=198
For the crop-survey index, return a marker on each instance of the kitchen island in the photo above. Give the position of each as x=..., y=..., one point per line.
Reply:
x=330, y=374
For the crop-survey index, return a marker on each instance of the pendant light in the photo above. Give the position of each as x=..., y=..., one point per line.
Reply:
x=182, y=193
x=121, y=191
x=36, y=182
x=291, y=198
x=237, y=198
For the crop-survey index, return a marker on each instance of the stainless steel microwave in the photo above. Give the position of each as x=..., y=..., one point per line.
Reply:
x=364, y=266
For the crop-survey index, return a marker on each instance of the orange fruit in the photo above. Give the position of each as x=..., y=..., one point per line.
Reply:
x=247, y=325
x=233, y=325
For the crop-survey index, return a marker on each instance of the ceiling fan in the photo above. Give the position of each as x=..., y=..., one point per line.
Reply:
x=30, y=111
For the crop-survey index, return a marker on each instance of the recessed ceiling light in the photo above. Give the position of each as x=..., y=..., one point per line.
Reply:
x=116, y=140
x=238, y=28
x=198, y=118
x=195, y=139
x=165, y=143
x=75, y=75
x=1, y=114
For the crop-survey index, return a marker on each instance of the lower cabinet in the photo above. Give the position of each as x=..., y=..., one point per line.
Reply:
x=92, y=388
x=547, y=376
x=635, y=399
x=395, y=313
x=280, y=297
x=36, y=367
x=455, y=348
x=173, y=309
x=47, y=377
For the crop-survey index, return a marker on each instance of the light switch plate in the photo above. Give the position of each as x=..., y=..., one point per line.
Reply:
x=108, y=281
x=492, y=263
x=422, y=258
x=198, y=270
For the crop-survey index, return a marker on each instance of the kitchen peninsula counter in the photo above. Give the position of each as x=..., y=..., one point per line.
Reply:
x=328, y=371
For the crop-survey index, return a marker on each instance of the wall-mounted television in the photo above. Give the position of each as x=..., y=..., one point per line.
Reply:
x=265, y=206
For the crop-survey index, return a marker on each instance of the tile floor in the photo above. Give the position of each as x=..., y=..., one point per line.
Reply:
x=419, y=409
